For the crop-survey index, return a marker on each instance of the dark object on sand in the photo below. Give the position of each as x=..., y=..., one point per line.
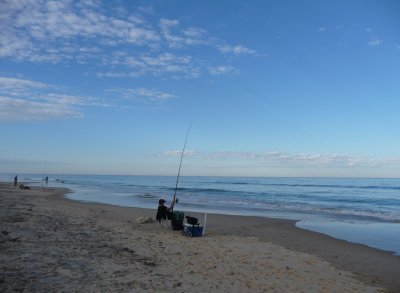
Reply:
x=176, y=220
x=191, y=220
x=22, y=186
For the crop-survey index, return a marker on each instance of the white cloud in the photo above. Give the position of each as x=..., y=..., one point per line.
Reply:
x=178, y=38
x=375, y=42
x=194, y=32
x=21, y=88
x=12, y=109
x=23, y=100
x=73, y=100
x=10, y=83
x=26, y=26
x=146, y=9
x=142, y=93
x=276, y=158
x=221, y=69
x=167, y=24
x=71, y=31
x=237, y=50
x=145, y=64
x=173, y=40
x=176, y=153
x=116, y=74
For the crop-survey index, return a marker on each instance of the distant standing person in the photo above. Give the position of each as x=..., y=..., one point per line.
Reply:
x=47, y=180
x=15, y=180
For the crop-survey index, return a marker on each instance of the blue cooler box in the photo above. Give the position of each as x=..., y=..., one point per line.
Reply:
x=192, y=231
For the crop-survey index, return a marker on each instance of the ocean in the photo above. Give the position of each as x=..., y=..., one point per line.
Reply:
x=365, y=211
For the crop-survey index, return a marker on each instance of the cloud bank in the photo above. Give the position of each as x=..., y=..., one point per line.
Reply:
x=132, y=44
x=25, y=100
x=276, y=158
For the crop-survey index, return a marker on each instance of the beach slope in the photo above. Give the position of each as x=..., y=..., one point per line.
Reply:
x=49, y=243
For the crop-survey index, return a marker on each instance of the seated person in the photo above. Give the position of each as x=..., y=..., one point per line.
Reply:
x=22, y=186
x=163, y=211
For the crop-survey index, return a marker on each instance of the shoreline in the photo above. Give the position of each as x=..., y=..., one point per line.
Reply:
x=370, y=266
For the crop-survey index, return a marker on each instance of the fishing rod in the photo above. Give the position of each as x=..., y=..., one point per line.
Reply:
x=179, y=170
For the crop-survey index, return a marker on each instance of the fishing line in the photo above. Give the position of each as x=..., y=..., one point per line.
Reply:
x=180, y=165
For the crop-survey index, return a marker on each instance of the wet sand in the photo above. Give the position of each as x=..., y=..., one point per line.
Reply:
x=49, y=243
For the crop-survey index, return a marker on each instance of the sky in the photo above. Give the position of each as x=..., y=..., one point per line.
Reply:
x=270, y=88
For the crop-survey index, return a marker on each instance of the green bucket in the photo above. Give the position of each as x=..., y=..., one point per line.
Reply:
x=175, y=215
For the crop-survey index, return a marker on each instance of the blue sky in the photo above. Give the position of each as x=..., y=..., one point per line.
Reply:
x=272, y=88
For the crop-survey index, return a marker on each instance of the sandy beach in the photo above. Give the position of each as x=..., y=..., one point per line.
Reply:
x=49, y=243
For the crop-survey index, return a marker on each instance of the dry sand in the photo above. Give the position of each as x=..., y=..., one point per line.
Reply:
x=49, y=243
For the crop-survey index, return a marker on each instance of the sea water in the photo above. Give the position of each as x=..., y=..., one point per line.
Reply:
x=365, y=211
